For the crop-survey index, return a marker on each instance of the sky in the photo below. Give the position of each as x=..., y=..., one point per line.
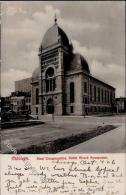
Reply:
x=95, y=28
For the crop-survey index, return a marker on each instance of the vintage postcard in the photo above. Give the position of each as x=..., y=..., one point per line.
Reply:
x=63, y=98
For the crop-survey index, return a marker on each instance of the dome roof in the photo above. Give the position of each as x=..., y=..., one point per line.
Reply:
x=53, y=35
x=36, y=73
x=78, y=62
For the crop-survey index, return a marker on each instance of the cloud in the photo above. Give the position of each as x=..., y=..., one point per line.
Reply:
x=12, y=10
x=107, y=72
x=22, y=39
x=113, y=74
x=93, y=30
x=19, y=47
x=90, y=53
x=80, y=26
x=8, y=79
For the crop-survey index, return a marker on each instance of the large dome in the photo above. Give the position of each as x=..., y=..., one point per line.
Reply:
x=53, y=35
x=78, y=62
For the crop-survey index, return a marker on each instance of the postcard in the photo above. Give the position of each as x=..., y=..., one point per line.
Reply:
x=63, y=98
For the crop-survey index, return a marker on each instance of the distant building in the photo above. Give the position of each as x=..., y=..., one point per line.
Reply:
x=21, y=101
x=23, y=85
x=121, y=104
x=21, y=98
x=5, y=104
x=63, y=84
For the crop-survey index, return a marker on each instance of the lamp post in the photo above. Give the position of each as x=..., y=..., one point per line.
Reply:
x=84, y=106
x=52, y=108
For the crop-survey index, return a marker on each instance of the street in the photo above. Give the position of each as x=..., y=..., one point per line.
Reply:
x=25, y=137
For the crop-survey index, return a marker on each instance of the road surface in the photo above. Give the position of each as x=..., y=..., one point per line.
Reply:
x=25, y=137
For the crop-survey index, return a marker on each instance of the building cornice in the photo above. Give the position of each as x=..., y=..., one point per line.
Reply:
x=72, y=73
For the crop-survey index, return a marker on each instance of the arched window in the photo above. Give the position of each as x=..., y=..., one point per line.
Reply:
x=72, y=93
x=50, y=80
x=37, y=96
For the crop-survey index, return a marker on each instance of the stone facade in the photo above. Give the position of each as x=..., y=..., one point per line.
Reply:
x=62, y=84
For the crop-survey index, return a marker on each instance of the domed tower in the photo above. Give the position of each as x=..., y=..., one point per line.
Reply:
x=53, y=54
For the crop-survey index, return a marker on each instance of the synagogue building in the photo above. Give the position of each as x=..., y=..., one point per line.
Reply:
x=62, y=84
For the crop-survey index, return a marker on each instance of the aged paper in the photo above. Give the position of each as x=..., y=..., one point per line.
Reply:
x=76, y=85
x=84, y=174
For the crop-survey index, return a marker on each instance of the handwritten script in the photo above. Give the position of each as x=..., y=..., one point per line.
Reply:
x=64, y=174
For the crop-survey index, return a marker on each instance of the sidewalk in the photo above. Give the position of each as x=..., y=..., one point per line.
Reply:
x=111, y=142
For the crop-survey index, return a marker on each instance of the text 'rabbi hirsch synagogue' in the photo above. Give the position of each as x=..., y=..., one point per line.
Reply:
x=62, y=84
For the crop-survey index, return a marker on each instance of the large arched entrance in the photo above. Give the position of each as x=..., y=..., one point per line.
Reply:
x=50, y=106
